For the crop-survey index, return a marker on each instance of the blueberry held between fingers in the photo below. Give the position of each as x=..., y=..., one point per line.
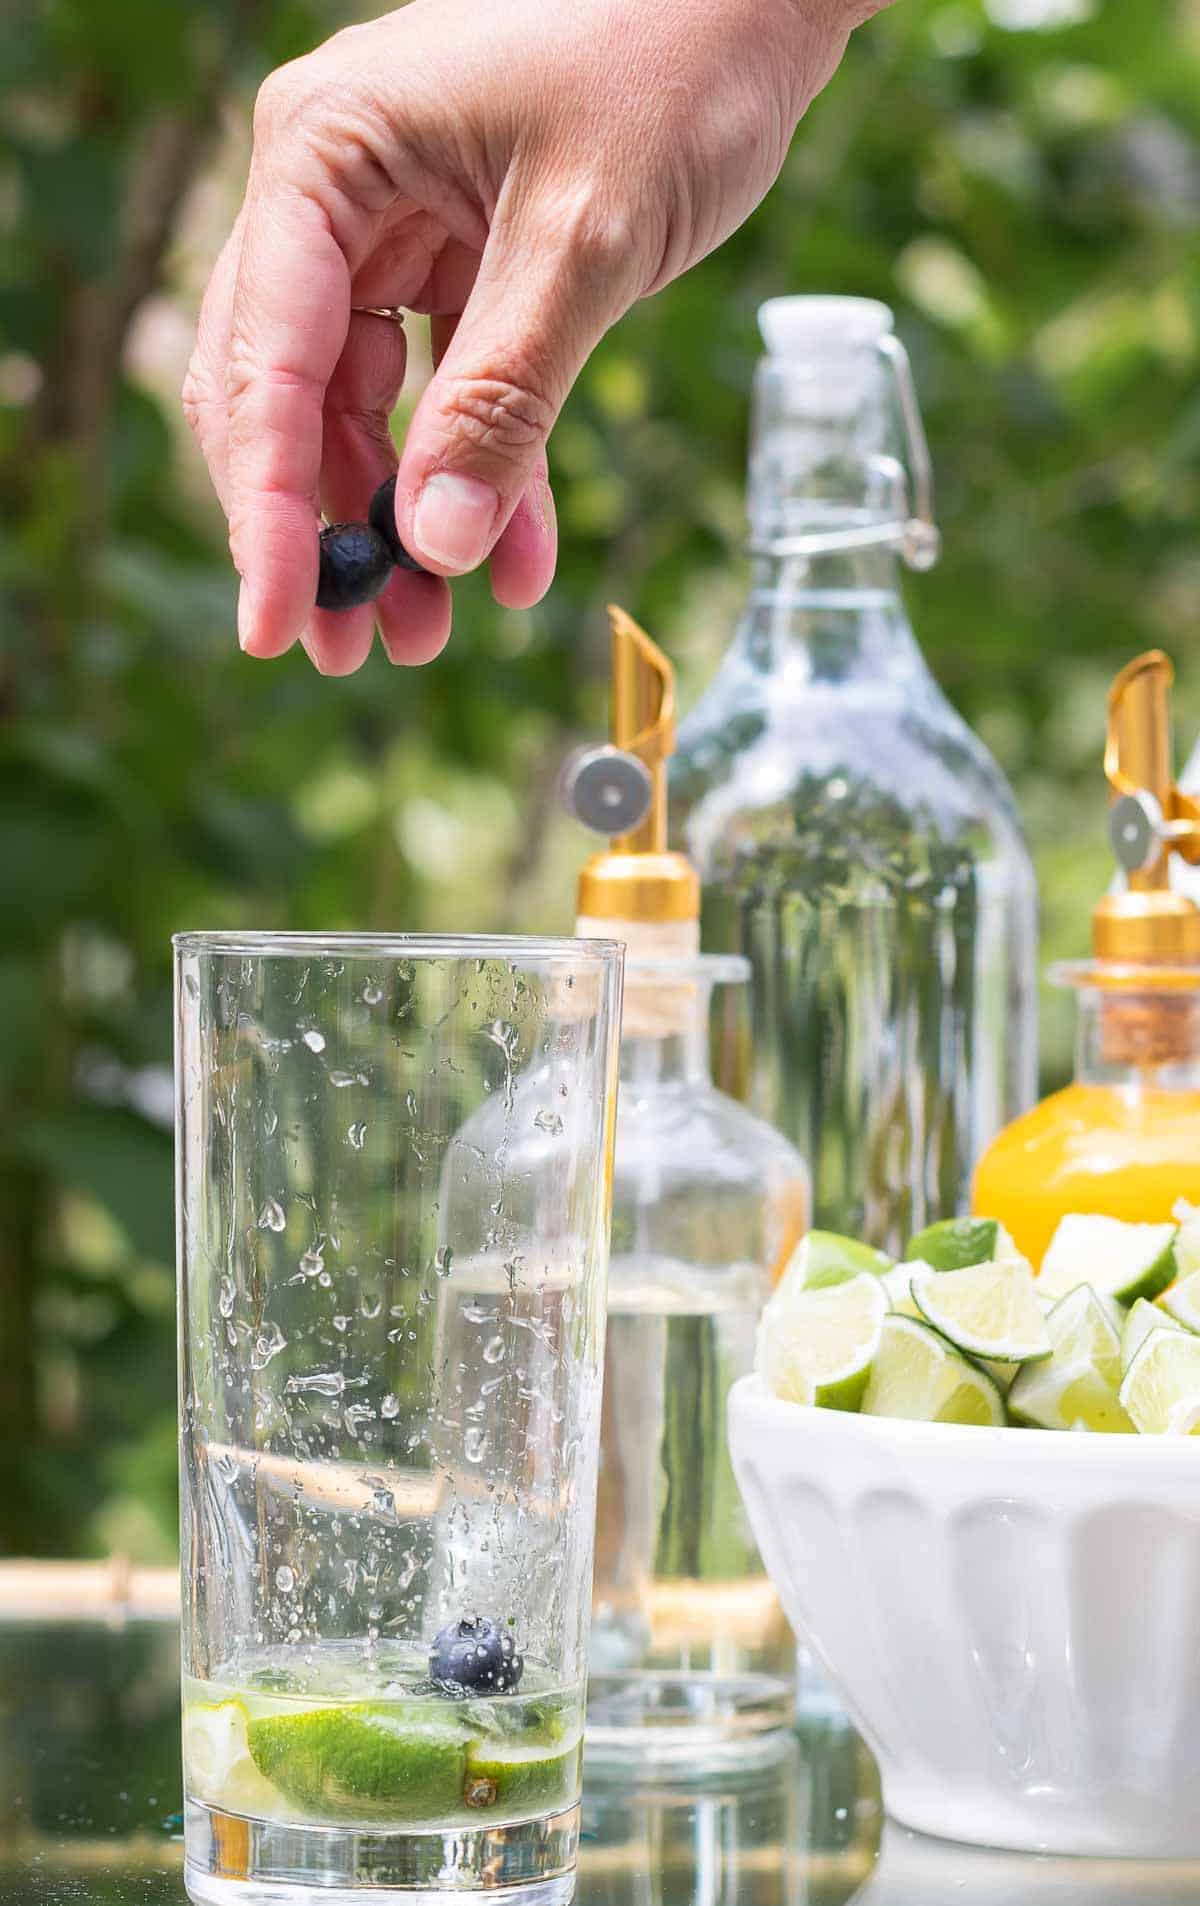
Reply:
x=382, y=517
x=355, y=566
x=477, y=1654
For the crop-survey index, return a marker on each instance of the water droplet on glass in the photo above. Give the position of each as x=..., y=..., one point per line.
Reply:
x=341, y=1324
x=227, y=1297
x=285, y=1580
x=227, y=1466
x=272, y=1216
x=372, y=993
x=390, y=1407
x=357, y=1417
x=341, y=1079
x=549, y=1122
x=383, y=1499
x=410, y=1104
x=357, y=1134
x=270, y=1124
x=443, y=1261
x=315, y=1041
x=269, y=1342
x=324, y=1382
x=474, y=1444
x=312, y=1263
x=324, y=1280
x=372, y=1304
x=493, y=1350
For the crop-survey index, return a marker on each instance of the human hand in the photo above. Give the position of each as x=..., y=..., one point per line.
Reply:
x=521, y=170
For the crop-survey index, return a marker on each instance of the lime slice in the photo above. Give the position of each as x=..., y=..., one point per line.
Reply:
x=1141, y=1320
x=1181, y=1301
x=916, y=1374
x=523, y=1779
x=987, y=1310
x=954, y=1243
x=816, y=1346
x=1117, y=1259
x=825, y=1257
x=218, y=1762
x=1161, y=1390
x=362, y=1762
x=1077, y=1387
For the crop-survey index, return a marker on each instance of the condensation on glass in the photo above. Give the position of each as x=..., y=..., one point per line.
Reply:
x=394, y=1166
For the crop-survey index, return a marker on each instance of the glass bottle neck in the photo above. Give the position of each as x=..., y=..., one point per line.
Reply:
x=675, y=1051
x=1139, y=1040
x=830, y=618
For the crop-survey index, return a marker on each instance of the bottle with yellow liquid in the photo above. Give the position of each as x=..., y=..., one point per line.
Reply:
x=1124, y=1138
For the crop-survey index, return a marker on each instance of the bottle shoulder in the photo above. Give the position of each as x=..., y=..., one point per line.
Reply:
x=763, y=752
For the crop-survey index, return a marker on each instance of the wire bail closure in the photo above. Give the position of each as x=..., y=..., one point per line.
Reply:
x=916, y=536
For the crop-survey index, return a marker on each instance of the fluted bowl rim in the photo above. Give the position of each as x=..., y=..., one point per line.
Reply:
x=1056, y=1450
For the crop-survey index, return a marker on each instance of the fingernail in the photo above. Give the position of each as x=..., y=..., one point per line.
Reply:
x=454, y=519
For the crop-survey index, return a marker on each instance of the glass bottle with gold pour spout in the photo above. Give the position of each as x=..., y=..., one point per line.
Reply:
x=690, y=1652
x=1124, y=1139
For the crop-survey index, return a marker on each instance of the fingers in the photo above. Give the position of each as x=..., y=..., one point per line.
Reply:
x=550, y=282
x=291, y=306
x=413, y=613
x=523, y=560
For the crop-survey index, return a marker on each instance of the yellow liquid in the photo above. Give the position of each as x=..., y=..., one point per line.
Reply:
x=1124, y=1151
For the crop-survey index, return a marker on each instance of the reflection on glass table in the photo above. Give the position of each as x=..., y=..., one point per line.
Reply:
x=90, y=1799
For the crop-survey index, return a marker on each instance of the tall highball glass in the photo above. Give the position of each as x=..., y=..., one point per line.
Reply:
x=394, y=1169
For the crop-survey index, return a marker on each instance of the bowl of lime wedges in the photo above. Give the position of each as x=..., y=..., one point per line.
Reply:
x=975, y=1490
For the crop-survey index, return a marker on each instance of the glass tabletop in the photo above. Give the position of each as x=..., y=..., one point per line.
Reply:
x=90, y=1797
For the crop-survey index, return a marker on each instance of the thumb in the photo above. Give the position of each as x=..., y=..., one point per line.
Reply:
x=547, y=289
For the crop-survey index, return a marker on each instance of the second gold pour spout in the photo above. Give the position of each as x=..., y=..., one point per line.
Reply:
x=642, y=723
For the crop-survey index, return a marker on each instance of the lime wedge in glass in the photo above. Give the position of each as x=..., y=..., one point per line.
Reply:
x=539, y=1777
x=1161, y=1390
x=1181, y=1301
x=1139, y=1322
x=219, y=1765
x=816, y=1346
x=1116, y=1258
x=954, y=1243
x=362, y=1762
x=825, y=1257
x=1187, y=1244
x=1077, y=1387
x=987, y=1310
x=916, y=1374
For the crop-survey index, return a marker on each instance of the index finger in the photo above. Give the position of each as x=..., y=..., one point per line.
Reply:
x=291, y=312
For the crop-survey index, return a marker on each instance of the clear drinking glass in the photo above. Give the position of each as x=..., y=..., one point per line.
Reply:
x=394, y=1171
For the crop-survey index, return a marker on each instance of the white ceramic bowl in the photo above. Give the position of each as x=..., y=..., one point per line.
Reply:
x=1012, y=1616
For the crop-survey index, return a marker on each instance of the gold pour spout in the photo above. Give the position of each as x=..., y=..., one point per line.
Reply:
x=1150, y=820
x=643, y=722
x=1137, y=762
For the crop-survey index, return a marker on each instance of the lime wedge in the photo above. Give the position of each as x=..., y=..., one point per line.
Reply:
x=1117, y=1259
x=536, y=1778
x=825, y=1257
x=987, y=1310
x=1181, y=1301
x=816, y=1346
x=362, y=1762
x=1077, y=1387
x=218, y=1763
x=1161, y=1390
x=898, y=1285
x=954, y=1243
x=916, y=1374
x=1140, y=1321
x=1187, y=1244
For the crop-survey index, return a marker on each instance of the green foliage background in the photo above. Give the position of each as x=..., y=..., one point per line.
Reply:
x=1021, y=182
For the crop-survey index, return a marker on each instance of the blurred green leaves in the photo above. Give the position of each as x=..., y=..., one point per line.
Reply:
x=1021, y=180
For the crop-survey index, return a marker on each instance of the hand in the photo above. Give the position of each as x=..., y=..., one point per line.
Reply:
x=522, y=170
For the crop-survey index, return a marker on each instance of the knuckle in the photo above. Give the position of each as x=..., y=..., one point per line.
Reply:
x=499, y=414
x=278, y=99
